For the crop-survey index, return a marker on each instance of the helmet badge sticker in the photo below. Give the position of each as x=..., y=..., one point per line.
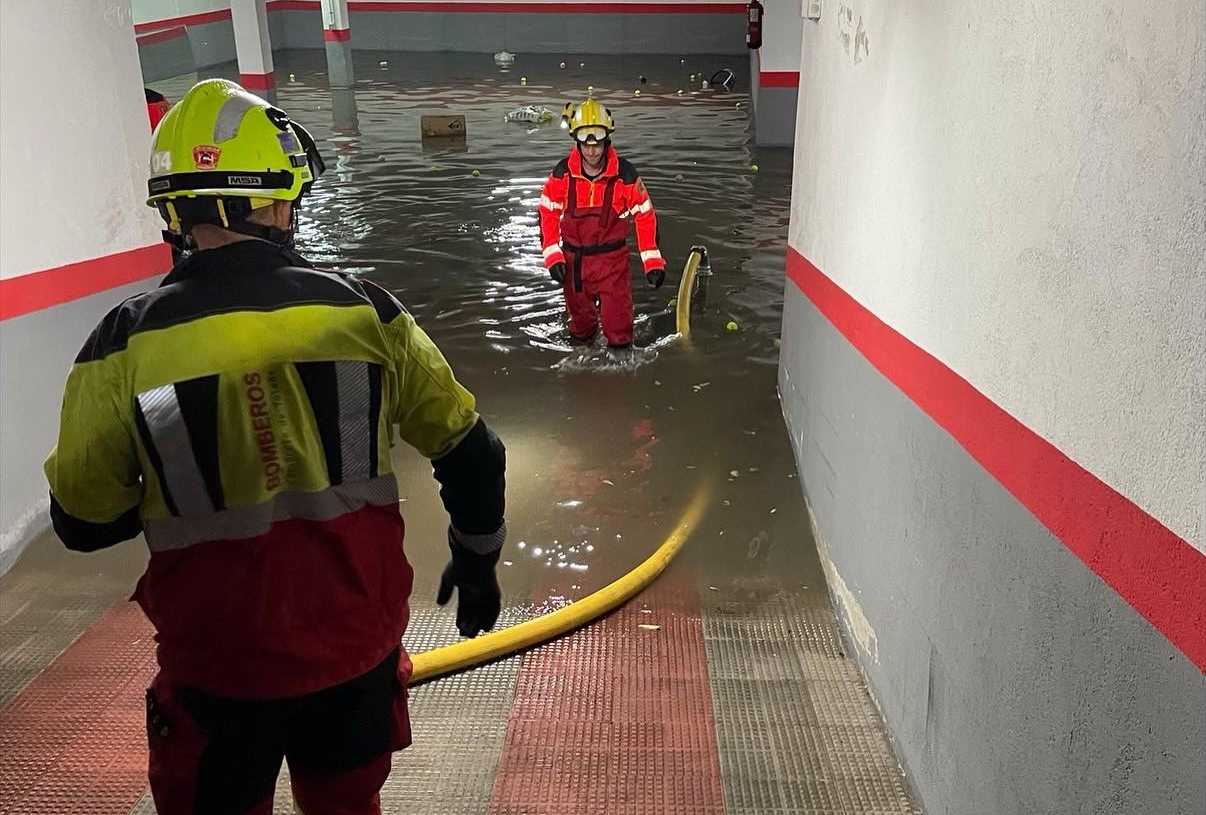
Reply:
x=205, y=156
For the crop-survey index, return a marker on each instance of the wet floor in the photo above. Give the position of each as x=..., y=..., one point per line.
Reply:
x=605, y=453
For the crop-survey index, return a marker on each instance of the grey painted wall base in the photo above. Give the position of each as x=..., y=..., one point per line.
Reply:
x=775, y=117
x=483, y=32
x=1012, y=678
x=201, y=46
x=480, y=32
x=36, y=351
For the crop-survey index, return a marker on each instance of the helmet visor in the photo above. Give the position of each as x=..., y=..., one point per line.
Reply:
x=591, y=135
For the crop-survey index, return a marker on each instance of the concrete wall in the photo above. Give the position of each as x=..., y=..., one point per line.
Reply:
x=526, y=32
x=994, y=375
x=700, y=27
x=75, y=230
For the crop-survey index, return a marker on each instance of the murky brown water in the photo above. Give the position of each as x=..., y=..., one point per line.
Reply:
x=604, y=455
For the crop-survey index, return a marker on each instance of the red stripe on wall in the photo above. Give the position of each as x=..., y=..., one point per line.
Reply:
x=188, y=19
x=52, y=287
x=162, y=36
x=454, y=6
x=1160, y=575
x=257, y=82
x=76, y=735
x=337, y=34
x=779, y=79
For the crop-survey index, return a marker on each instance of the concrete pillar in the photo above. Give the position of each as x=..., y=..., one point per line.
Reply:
x=336, y=24
x=253, y=45
x=344, y=114
x=775, y=74
x=337, y=36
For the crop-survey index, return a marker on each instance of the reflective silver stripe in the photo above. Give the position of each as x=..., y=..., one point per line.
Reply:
x=481, y=544
x=550, y=251
x=352, y=390
x=161, y=409
x=165, y=534
x=226, y=126
x=550, y=204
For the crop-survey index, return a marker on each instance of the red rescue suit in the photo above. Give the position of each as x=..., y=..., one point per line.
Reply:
x=157, y=106
x=584, y=224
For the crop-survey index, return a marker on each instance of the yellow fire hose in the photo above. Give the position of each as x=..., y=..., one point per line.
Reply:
x=686, y=285
x=468, y=653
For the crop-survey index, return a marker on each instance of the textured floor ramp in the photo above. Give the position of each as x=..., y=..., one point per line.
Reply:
x=74, y=741
x=797, y=730
x=615, y=719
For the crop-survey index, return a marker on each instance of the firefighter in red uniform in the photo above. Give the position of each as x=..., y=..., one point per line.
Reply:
x=585, y=210
x=157, y=106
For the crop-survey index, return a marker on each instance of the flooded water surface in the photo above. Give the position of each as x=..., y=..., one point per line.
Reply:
x=605, y=452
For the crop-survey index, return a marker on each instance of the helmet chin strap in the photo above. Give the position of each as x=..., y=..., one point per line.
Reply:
x=272, y=234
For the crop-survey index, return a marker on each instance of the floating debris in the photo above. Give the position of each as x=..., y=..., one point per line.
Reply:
x=530, y=113
x=649, y=627
x=734, y=473
x=563, y=66
x=609, y=482
x=384, y=63
x=508, y=563
x=700, y=386
x=504, y=58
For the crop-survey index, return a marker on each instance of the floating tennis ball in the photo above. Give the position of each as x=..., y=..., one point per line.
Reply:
x=731, y=326
x=754, y=167
x=476, y=173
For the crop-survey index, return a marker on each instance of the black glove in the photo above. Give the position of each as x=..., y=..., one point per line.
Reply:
x=557, y=272
x=656, y=277
x=472, y=575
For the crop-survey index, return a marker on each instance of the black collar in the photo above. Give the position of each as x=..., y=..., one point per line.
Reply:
x=247, y=256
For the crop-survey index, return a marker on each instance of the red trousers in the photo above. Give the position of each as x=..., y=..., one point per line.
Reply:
x=211, y=755
x=606, y=293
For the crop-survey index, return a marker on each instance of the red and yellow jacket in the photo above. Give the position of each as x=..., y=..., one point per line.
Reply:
x=630, y=199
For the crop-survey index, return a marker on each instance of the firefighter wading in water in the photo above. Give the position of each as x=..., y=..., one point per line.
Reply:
x=241, y=416
x=585, y=209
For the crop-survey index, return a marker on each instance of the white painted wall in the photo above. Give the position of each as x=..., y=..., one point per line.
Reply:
x=73, y=157
x=75, y=140
x=1020, y=189
x=782, y=25
x=147, y=11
